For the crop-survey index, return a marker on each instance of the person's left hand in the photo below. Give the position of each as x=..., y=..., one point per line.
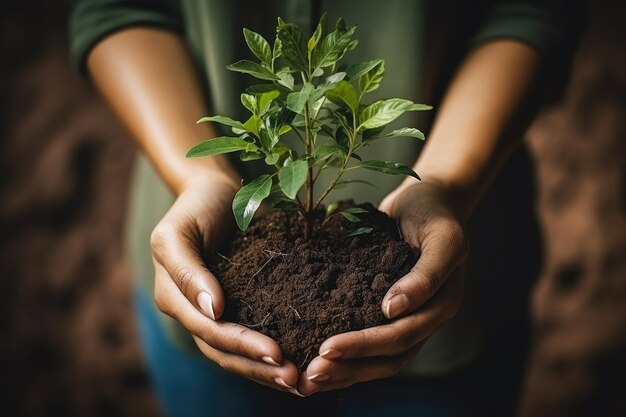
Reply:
x=420, y=302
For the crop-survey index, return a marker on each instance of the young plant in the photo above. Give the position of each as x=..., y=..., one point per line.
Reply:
x=305, y=94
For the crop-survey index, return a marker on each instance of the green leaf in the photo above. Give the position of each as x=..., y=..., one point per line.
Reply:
x=315, y=107
x=250, y=156
x=350, y=217
x=252, y=68
x=275, y=122
x=284, y=129
x=382, y=112
x=406, y=132
x=259, y=46
x=249, y=102
x=268, y=138
x=294, y=49
x=272, y=158
x=315, y=38
x=355, y=210
x=344, y=92
x=360, y=231
x=387, y=167
x=276, y=51
x=249, y=198
x=223, y=120
x=333, y=47
x=340, y=26
x=420, y=107
x=356, y=71
x=286, y=80
x=284, y=205
x=326, y=151
x=372, y=133
x=292, y=177
x=265, y=100
x=327, y=131
x=371, y=80
x=331, y=207
x=297, y=100
x=253, y=124
x=341, y=184
x=329, y=82
x=219, y=145
x=335, y=162
x=264, y=88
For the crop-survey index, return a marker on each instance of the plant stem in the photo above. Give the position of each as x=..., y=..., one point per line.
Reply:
x=308, y=220
x=337, y=177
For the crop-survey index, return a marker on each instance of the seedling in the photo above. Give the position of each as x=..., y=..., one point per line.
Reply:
x=305, y=94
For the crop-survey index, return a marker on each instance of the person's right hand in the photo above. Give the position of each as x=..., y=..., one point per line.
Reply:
x=188, y=292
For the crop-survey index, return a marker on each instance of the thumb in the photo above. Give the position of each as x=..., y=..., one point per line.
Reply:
x=443, y=250
x=180, y=256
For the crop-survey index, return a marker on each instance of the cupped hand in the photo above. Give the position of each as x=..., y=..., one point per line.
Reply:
x=187, y=291
x=418, y=304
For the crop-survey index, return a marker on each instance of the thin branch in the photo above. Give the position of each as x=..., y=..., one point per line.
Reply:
x=261, y=323
x=227, y=259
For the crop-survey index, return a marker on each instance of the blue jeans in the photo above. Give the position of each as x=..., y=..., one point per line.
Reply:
x=189, y=386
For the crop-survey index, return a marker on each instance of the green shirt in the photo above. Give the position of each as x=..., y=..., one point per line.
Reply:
x=421, y=42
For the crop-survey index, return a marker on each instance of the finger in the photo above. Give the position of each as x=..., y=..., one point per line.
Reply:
x=400, y=335
x=326, y=375
x=225, y=336
x=178, y=250
x=283, y=377
x=443, y=249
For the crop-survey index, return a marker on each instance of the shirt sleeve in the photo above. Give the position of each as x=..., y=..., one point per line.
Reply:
x=92, y=20
x=546, y=25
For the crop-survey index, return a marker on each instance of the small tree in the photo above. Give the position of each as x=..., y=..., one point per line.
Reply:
x=316, y=104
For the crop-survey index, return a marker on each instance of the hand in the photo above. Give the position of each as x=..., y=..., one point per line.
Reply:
x=188, y=292
x=420, y=302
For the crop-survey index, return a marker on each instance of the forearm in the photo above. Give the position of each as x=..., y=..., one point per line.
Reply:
x=467, y=145
x=147, y=77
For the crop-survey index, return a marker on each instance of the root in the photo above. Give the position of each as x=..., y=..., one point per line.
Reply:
x=225, y=258
x=261, y=323
x=273, y=253
x=296, y=312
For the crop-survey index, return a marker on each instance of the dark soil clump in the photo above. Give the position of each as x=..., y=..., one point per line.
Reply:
x=301, y=292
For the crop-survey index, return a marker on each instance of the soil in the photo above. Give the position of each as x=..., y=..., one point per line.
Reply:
x=300, y=292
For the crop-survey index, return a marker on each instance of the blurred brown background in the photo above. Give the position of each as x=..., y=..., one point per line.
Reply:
x=68, y=345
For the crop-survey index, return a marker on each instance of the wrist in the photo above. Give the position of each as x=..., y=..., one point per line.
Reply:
x=458, y=196
x=198, y=175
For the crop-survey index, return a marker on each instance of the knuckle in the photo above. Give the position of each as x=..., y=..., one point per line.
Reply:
x=457, y=238
x=158, y=238
x=224, y=363
x=184, y=277
x=399, y=343
x=432, y=280
x=239, y=342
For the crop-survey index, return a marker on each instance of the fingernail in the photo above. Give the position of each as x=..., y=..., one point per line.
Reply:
x=205, y=301
x=319, y=377
x=397, y=305
x=296, y=392
x=330, y=354
x=282, y=382
x=268, y=359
